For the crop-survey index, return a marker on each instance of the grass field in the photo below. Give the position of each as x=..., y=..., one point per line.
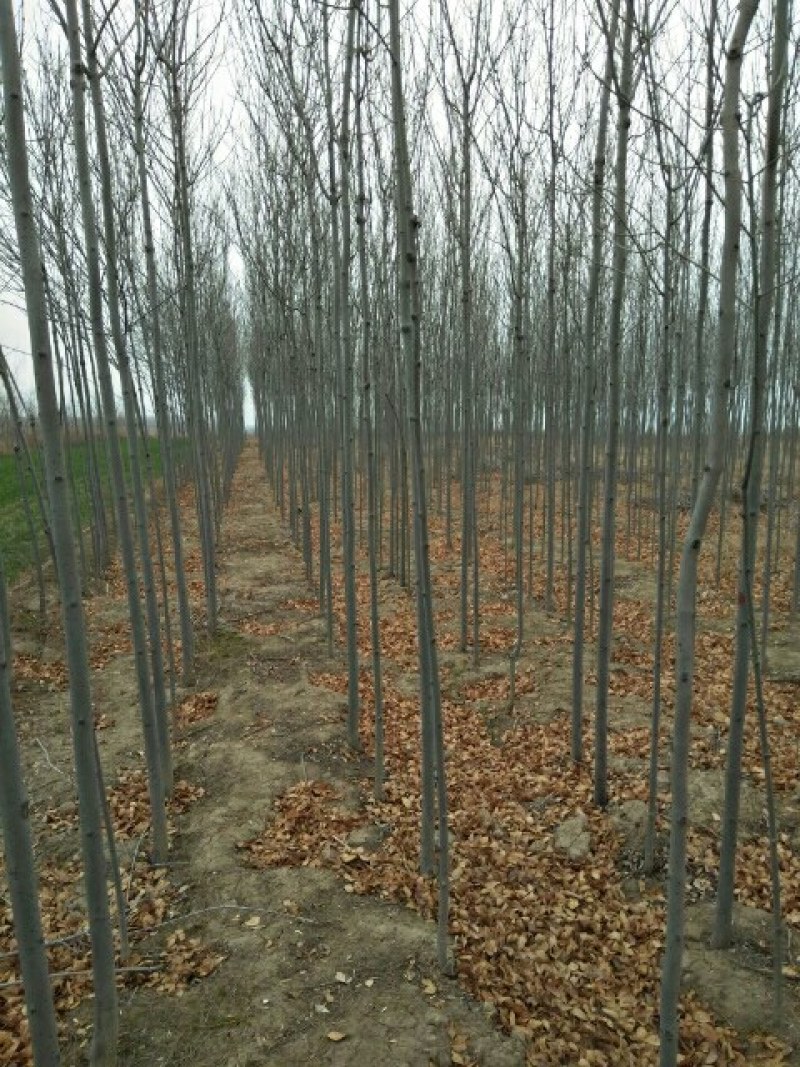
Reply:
x=15, y=540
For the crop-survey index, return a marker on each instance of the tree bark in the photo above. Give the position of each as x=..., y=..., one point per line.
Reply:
x=103, y=1051
x=687, y=584
x=751, y=485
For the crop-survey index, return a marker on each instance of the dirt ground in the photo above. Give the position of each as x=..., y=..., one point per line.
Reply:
x=310, y=974
x=288, y=965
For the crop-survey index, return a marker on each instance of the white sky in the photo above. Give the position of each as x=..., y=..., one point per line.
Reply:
x=14, y=335
x=13, y=325
x=16, y=344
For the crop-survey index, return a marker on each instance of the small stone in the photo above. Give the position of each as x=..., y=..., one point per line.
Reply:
x=572, y=837
x=367, y=837
x=630, y=820
x=499, y=1051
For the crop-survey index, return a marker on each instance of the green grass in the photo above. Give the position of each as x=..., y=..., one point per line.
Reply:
x=15, y=540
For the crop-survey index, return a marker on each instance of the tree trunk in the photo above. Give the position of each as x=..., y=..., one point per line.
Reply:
x=20, y=865
x=409, y=321
x=606, y=614
x=589, y=390
x=687, y=585
x=103, y=1051
x=751, y=485
x=159, y=383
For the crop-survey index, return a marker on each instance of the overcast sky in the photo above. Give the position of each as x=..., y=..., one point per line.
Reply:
x=13, y=322
x=15, y=342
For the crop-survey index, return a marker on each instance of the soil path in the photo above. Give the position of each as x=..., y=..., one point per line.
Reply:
x=312, y=975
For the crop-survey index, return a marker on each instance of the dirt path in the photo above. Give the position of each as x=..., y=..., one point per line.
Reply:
x=312, y=975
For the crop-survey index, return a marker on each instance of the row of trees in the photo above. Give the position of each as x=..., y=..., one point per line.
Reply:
x=537, y=277
x=132, y=317
x=604, y=254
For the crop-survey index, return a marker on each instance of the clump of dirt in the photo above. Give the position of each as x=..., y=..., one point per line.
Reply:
x=707, y=798
x=783, y=658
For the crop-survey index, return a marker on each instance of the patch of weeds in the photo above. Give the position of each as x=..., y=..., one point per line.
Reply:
x=224, y=649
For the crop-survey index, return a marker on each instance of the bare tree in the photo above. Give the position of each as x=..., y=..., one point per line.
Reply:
x=410, y=336
x=687, y=585
x=104, y=1041
x=751, y=485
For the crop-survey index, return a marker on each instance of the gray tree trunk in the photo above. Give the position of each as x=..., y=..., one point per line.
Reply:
x=104, y=1041
x=159, y=382
x=346, y=387
x=588, y=400
x=153, y=630
x=23, y=882
x=751, y=486
x=370, y=420
x=606, y=614
x=198, y=429
x=687, y=585
x=153, y=742
x=409, y=321
x=705, y=244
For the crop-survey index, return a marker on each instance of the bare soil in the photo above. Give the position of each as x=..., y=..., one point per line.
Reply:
x=310, y=972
